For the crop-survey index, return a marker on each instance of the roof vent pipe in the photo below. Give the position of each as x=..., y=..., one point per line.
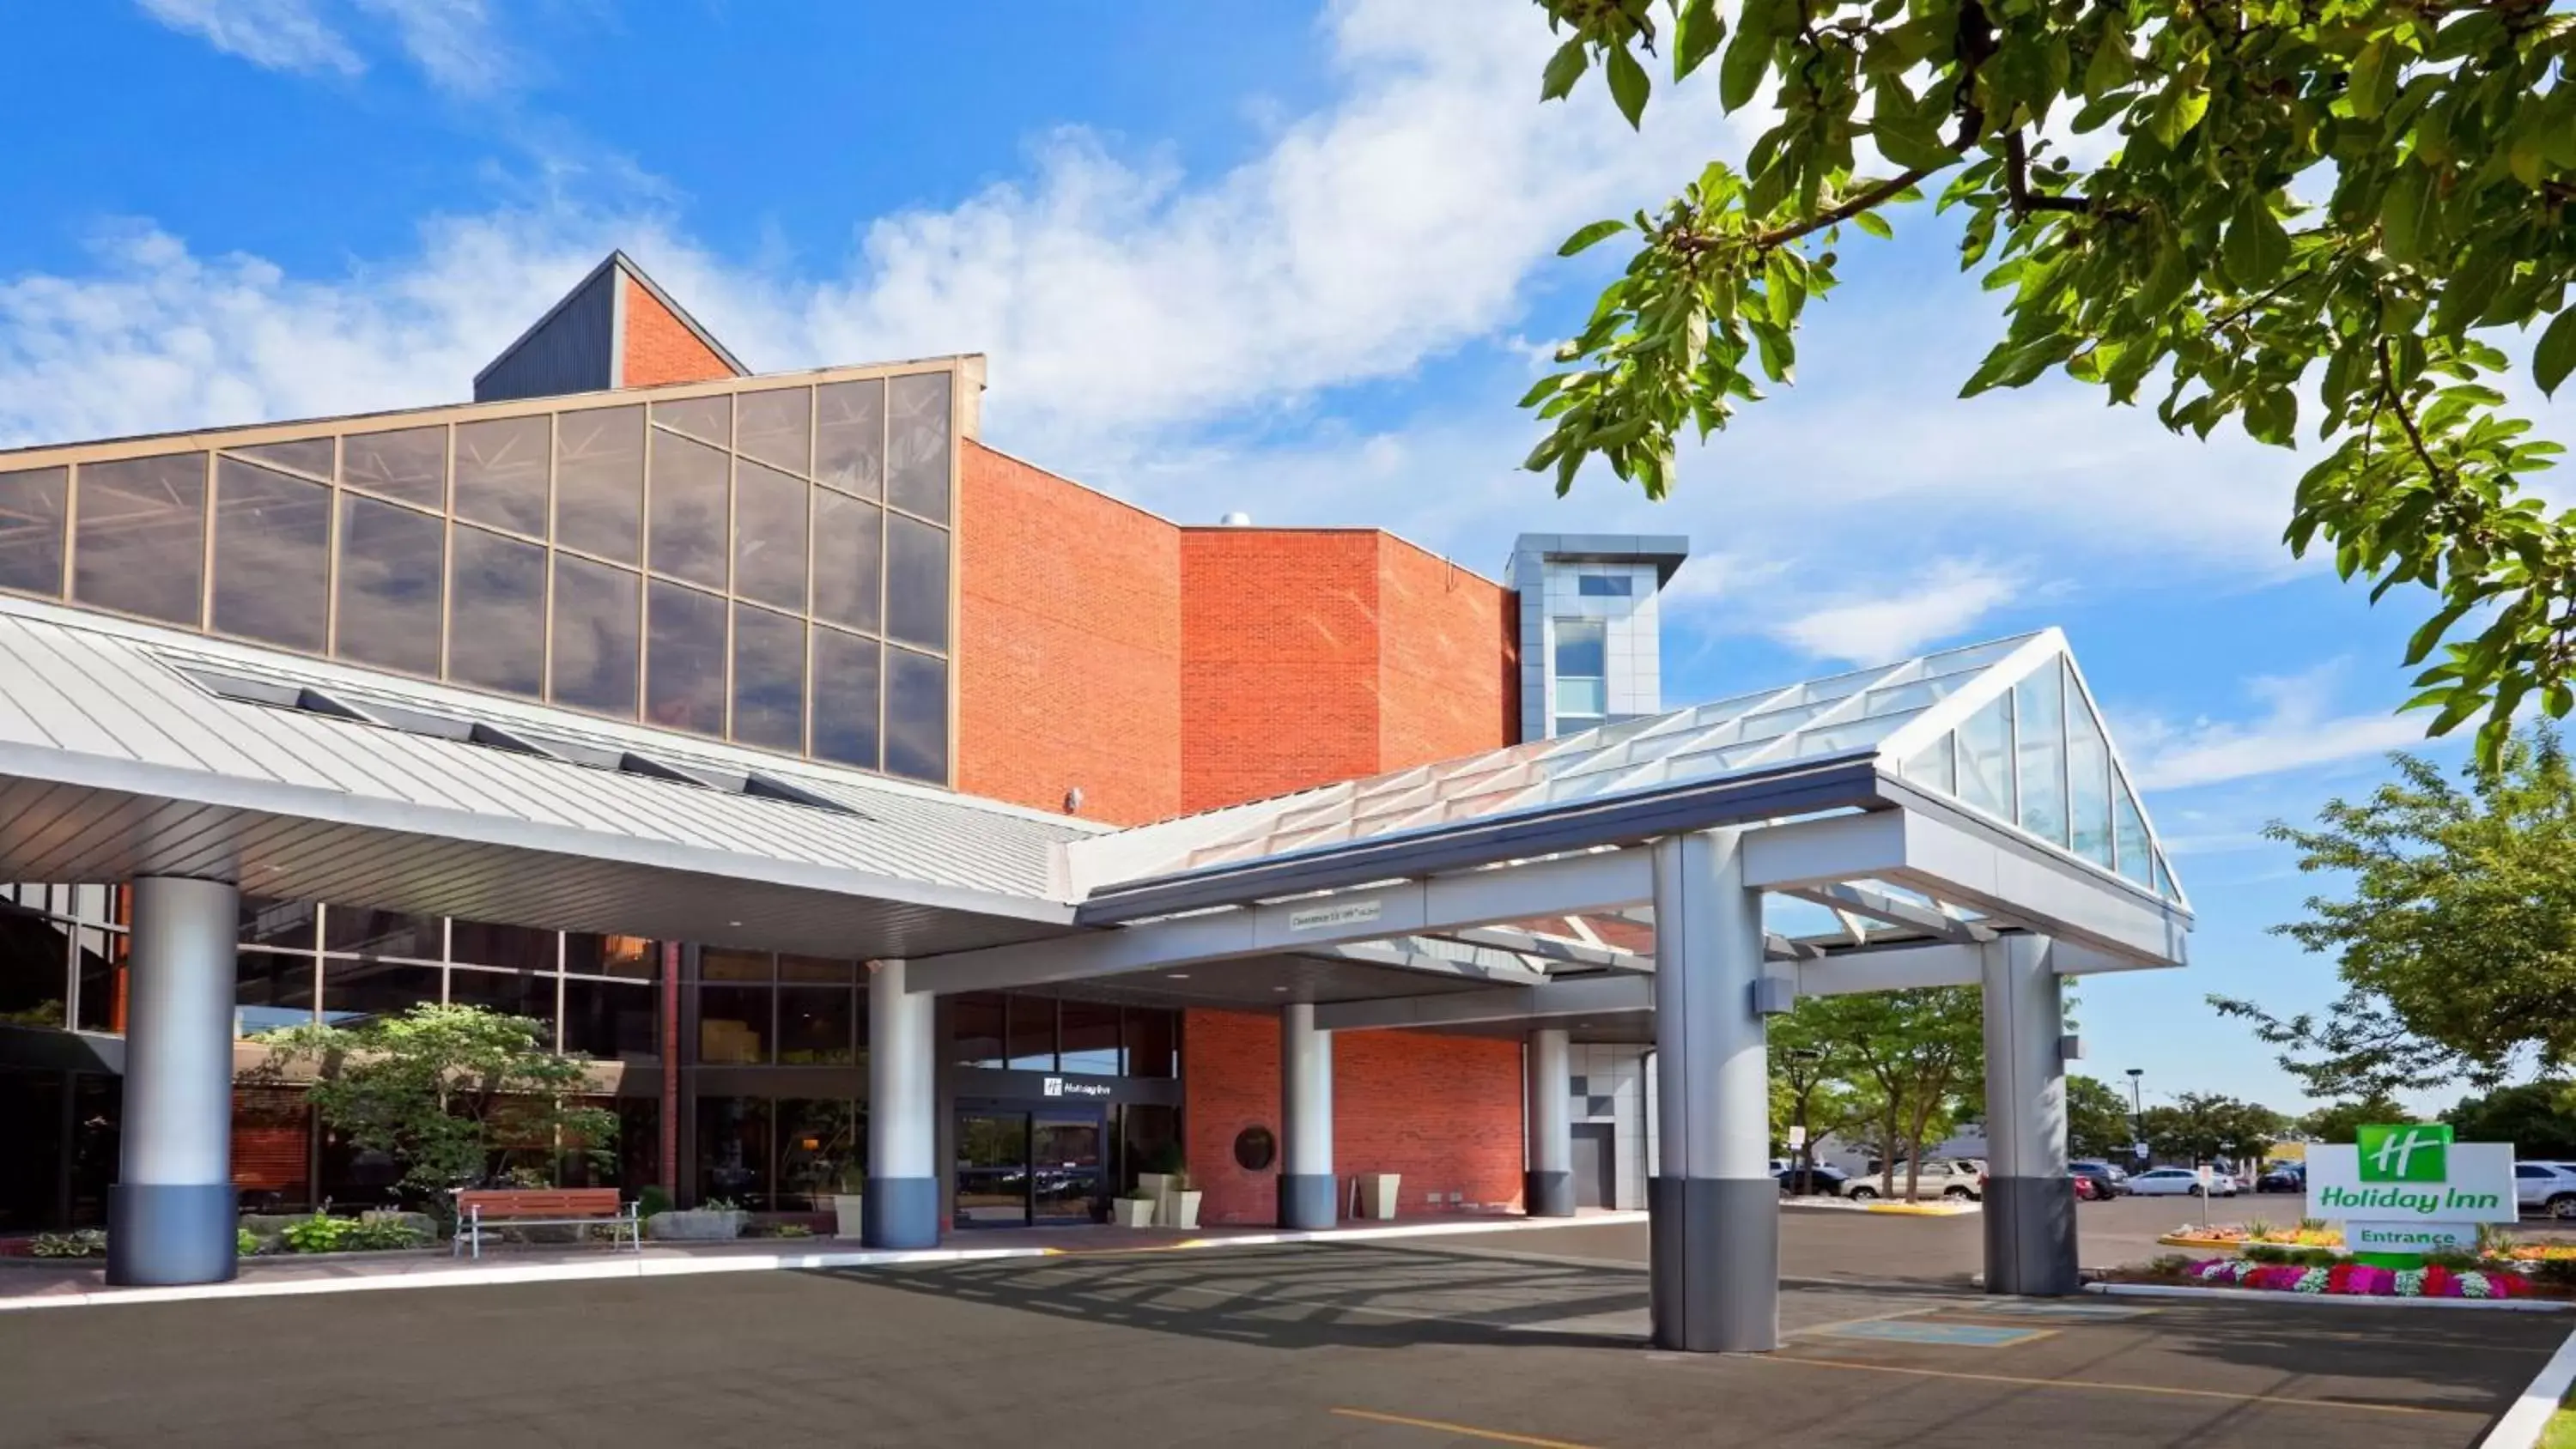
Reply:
x=1236, y=519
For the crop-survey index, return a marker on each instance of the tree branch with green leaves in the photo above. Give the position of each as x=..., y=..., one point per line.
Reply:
x=2336, y=205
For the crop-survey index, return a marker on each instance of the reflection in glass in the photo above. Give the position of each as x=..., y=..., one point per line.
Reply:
x=768, y=679
x=684, y=643
x=1935, y=767
x=848, y=560
x=285, y=925
x=917, y=444
x=497, y=618
x=357, y=991
x=733, y=1025
x=1065, y=1165
x=98, y=961
x=383, y=933
x=849, y=436
x=309, y=456
x=845, y=698
x=1032, y=1039
x=271, y=991
x=916, y=582
x=1153, y=1043
x=501, y=473
x=599, y=482
x=272, y=555
x=708, y=419
x=814, y=1026
x=2039, y=727
x=916, y=730
x=716, y=963
x=817, y=969
x=31, y=529
x=975, y=1030
x=633, y=957
x=407, y=463
x=392, y=562
x=773, y=427
x=687, y=533
x=769, y=536
x=2129, y=834
x=510, y=993
x=598, y=628
x=1091, y=1038
x=992, y=1169
x=610, y=1020
x=2088, y=775
x=821, y=1145
x=505, y=948
x=1985, y=759
x=733, y=1150
x=141, y=540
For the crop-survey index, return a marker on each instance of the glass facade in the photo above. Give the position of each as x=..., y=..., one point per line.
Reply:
x=1077, y=1038
x=772, y=565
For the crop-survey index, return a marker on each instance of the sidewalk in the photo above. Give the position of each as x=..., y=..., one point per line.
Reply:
x=85, y=1284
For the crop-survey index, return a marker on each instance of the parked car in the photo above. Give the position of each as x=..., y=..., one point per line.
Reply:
x=1829, y=1181
x=2545, y=1187
x=2094, y=1180
x=2179, y=1182
x=1938, y=1179
x=2096, y=1167
x=2283, y=1177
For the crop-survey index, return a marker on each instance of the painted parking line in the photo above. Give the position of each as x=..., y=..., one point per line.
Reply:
x=2044, y=1308
x=1954, y=1335
x=2089, y=1385
x=1469, y=1431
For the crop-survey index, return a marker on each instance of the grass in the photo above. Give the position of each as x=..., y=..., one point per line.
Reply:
x=2560, y=1431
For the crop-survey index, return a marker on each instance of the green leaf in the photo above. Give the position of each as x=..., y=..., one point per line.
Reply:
x=1628, y=84
x=2373, y=82
x=2431, y=633
x=1541, y=389
x=1748, y=56
x=2175, y=116
x=1563, y=69
x=1696, y=34
x=2555, y=357
x=2256, y=247
x=2111, y=66
x=1589, y=235
x=1876, y=225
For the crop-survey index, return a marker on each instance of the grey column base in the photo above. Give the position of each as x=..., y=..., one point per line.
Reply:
x=1715, y=1250
x=1547, y=1194
x=2030, y=1237
x=160, y=1235
x=900, y=1212
x=1308, y=1202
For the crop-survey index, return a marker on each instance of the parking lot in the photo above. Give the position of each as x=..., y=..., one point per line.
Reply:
x=1532, y=1337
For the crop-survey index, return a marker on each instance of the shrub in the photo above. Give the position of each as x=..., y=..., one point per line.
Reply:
x=380, y=1235
x=2171, y=1265
x=246, y=1243
x=2453, y=1259
x=81, y=1243
x=652, y=1199
x=2556, y=1272
x=2267, y=1253
x=2316, y=1257
x=319, y=1233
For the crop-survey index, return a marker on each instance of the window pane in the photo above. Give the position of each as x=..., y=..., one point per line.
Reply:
x=501, y=473
x=633, y=957
x=1935, y=767
x=99, y=959
x=1582, y=648
x=611, y=1020
x=286, y=925
x=917, y=444
x=599, y=482
x=733, y=1024
x=511, y=948
x=769, y=537
x=688, y=514
x=820, y=1144
x=2039, y=729
x=1032, y=1046
x=1153, y=1043
x=845, y=698
x=1580, y=696
x=848, y=560
x=817, y=969
x=768, y=679
x=814, y=1026
x=773, y=427
x=382, y=933
x=708, y=419
x=392, y=564
x=2129, y=833
x=733, y=1150
x=718, y=964
x=850, y=436
x=35, y=972
x=975, y=1031
x=497, y=619
x=684, y=686
x=356, y=991
x=916, y=582
x=271, y=991
x=511, y=993
x=31, y=529
x=272, y=555
x=408, y=463
x=598, y=629
x=1603, y=586
x=141, y=542
x=2088, y=774
x=1091, y=1038
x=309, y=456
x=916, y=716
x=1985, y=759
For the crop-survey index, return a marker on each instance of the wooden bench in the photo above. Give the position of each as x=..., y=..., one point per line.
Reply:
x=486, y=1209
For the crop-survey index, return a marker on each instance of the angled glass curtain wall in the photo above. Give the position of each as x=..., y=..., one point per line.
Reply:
x=773, y=565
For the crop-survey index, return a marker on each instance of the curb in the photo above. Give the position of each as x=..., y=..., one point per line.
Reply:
x=2522, y=1425
x=634, y=1267
x=2331, y=1300
x=1899, y=1209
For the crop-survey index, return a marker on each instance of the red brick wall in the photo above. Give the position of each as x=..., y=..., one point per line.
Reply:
x=272, y=1139
x=1449, y=659
x=1068, y=644
x=1279, y=651
x=1444, y=1111
x=660, y=348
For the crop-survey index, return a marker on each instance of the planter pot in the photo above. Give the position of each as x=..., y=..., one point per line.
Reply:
x=1180, y=1210
x=1154, y=1186
x=1133, y=1212
x=697, y=1226
x=845, y=1214
x=1378, y=1193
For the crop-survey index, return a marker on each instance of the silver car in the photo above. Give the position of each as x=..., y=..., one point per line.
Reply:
x=1959, y=1181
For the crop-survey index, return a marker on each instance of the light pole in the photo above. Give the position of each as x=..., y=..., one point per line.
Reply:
x=2137, y=1117
x=1806, y=1057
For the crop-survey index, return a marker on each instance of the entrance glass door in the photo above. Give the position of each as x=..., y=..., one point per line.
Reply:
x=1065, y=1166
x=992, y=1169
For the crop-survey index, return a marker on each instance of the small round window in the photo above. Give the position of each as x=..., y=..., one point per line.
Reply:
x=1255, y=1149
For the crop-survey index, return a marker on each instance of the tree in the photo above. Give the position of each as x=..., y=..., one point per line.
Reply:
x=2342, y=1121
x=2205, y=1126
x=453, y=1093
x=1806, y=1060
x=2097, y=1119
x=1917, y=1049
x=2538, y=1118
x=2340, y=203
x=2457, y=944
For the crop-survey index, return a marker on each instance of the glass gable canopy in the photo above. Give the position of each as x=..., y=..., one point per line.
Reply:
x=2005, y=729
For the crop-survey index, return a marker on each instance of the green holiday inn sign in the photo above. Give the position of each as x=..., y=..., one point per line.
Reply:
x=2411, y=1172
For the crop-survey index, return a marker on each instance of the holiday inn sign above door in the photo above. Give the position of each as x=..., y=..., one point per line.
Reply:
x=2411, y=1172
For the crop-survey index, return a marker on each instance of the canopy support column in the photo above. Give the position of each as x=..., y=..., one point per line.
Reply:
x=1548, y=1191
x=170, y=1216
x=2030, y=1201
x=1306, y=1181
x=901, y=1209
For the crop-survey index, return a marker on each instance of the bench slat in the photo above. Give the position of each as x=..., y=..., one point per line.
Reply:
x=495, y=1203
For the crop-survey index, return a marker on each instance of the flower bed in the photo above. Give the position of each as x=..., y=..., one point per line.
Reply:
x=2229, y=1235
x=2361, y=1280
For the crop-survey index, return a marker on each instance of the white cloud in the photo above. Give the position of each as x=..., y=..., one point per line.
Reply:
x=451, y=40
x=1945, y=599
x=2296, y=730
x=276, y=34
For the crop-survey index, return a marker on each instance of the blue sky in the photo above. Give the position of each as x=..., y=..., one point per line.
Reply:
x=1297, y=262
